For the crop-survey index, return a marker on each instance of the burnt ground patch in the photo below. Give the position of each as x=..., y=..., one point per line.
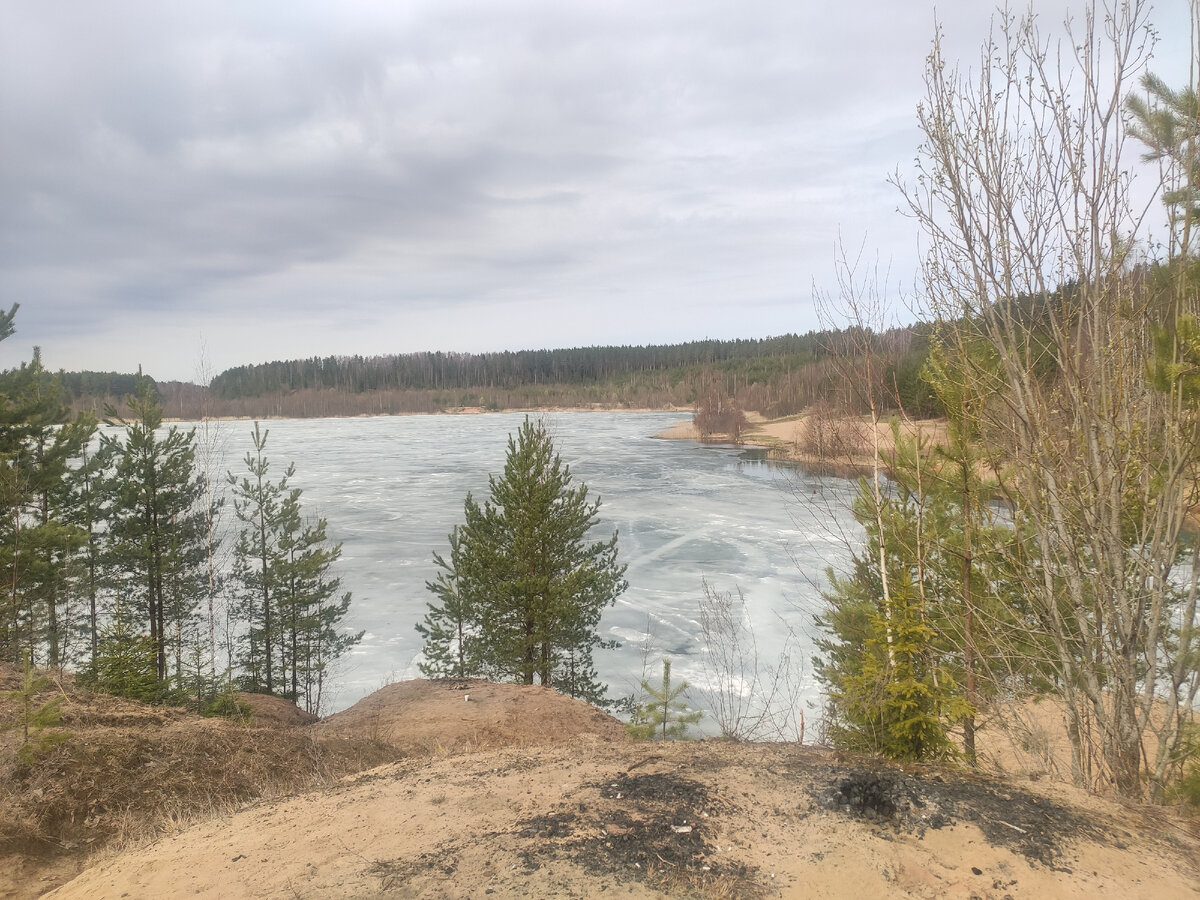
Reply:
x=911, y=802
x=655, y=828
x=394, y=873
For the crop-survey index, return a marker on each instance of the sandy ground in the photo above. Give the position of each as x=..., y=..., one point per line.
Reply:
x=520, y=792
x=784, y=439
x=641, y=820
x=425, y=717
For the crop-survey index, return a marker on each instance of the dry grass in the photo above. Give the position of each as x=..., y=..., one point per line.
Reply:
x=128, y=772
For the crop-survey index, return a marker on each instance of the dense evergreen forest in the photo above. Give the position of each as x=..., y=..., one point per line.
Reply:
x=775, y=376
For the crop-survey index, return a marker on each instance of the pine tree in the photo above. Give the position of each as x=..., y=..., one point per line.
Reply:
x=1167, y=121
x=37, y=719
x=126, y=663
x=258, y=559
x=450, y=629
x=86, y=511
x=294, y=605
x=664, y=715
x=156, y=523
x=7, y=329
x=887, y=681
x=523, y=592
x=312, y=604
x=38, y=542
x=891, y=673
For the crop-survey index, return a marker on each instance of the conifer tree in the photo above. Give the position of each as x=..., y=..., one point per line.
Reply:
x=38, y=542
x=888, y=683
x=126, y=663
x=36, y=719
x=155, y=536
x=451, y=628
x=7, y=328
x=258, y=558
x=86, y=510
x=664, y=715
x=312, y=605
x=294, y=604
x=523, y=592
x=902, y=666
x=1167, y=121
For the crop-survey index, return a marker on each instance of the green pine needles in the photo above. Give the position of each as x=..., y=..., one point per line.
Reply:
x=126, y=663
x=288, y=595
x=899, y=671
x=664, y=715
x=520, y=595
x=38, y=720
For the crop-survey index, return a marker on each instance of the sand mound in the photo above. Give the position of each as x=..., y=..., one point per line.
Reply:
x=593, y=818
x=425, y=716
x=267, y=710
x=116, y=771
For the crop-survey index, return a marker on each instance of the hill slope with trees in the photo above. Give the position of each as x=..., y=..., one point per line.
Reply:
x=775, y=376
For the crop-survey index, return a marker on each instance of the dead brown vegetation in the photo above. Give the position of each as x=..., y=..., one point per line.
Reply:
x=827, y=433
x=457, y=715
x=127, y=771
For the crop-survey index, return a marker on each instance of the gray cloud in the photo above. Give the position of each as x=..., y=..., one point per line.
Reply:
x=289, y=179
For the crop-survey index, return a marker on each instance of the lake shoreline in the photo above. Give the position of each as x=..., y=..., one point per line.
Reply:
x=449, y=411
x=784, y=440
x=781, y=438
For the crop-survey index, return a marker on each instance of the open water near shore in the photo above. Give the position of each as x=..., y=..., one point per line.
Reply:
x=392, y=488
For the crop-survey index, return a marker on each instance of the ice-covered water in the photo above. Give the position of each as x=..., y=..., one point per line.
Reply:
x=392, y=488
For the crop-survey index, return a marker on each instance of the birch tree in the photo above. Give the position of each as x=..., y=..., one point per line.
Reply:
x=1033, y=236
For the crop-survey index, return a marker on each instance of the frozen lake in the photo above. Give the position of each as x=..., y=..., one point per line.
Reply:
x=392, y=489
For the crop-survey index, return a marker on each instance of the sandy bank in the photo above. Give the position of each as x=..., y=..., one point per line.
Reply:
x=680, y=431
x=651, y=820
x=786, y=439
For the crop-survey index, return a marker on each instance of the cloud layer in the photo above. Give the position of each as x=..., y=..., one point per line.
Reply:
x=276, y=180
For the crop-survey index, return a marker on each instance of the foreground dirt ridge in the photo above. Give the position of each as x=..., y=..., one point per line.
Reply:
x=594, y=818
x=513, y=791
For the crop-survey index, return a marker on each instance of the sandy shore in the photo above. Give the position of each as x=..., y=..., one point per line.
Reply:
x=680, y=431
x=785, y=438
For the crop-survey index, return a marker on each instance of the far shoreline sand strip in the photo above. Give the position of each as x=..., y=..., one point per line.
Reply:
x=680, y=431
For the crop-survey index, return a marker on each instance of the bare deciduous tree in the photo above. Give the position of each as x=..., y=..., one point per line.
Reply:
x=1023, y=193
x=751, y=699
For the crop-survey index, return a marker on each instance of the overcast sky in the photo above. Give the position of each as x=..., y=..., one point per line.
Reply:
x=243, y=181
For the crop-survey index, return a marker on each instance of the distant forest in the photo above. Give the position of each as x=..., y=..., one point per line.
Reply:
x=775, y=376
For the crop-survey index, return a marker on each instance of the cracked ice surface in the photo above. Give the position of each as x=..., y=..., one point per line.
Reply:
x=392, y=488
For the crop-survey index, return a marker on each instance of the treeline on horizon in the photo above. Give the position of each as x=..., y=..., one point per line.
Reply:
x=775, y=376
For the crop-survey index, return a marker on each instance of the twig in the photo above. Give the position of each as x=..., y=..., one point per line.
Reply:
x=642, y=762
x=1013, y=827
